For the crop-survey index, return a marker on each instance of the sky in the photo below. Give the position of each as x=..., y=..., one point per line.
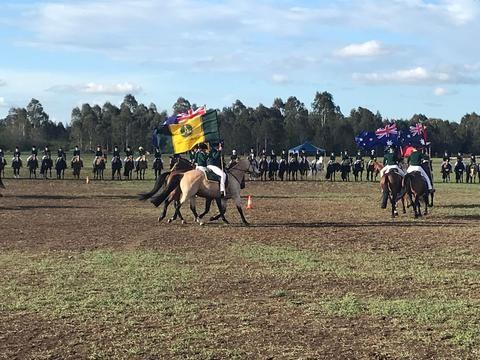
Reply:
x=400, y=57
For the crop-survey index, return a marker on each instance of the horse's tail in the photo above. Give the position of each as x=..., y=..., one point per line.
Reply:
x=158, y=184
x=172, y=185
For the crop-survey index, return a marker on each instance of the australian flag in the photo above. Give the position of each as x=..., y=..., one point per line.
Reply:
x=366, y=140
x=407, y=138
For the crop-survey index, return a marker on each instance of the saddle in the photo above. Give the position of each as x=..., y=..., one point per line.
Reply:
x=211, y=176
x=394, y=171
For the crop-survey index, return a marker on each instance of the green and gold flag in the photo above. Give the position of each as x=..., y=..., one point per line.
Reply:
x=187, y=134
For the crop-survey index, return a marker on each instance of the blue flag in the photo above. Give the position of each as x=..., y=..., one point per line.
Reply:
x=366, y=140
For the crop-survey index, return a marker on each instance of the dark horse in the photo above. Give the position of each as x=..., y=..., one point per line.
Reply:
x=128, y=168
x=272, y=169
x=304, y=167
x=142, y=166
x=332, y=168
x=47, y=164
x=391, y=184
x=293, y=169
x=446, y=170
x=459, y=170
x=263, y=167
x=157, y=167
x=282, y=169
x=32, y=165
x=98, y=168
x=345, y=168
x=1, y=183
x=3, y=164
x=116, y=167
x=16, y=165
x=358, y=167
x=60, y=166
x=416, y=189
x=77, y=165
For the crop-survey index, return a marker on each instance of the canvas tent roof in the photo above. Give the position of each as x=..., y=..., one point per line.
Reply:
x=308, y=148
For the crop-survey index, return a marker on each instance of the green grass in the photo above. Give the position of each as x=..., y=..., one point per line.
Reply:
x=94, y=282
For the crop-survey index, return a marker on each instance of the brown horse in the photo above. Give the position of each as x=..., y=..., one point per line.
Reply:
x=391, y=185
x=415, y=187
x=373, y=169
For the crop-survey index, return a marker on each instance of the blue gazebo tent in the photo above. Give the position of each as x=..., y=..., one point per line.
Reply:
x=308, y=148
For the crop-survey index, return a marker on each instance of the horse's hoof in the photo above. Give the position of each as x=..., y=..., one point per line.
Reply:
x=201, y=223
x=246, y=223
x=183, y=222
x=160, y=219
x=169, y=221
x=212, y=219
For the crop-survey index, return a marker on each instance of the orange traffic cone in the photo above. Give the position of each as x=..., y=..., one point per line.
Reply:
x=87, y=180
x=249, y=203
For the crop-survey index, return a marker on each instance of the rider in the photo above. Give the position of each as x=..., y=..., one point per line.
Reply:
x=415, y=164
x=201, y=157
x=332, y=158
x=459, y=157
x=273, y=157
x=345, y=156
x=34, y=154
x=373, y=156
x=116, y=153
x=61, y=154
x=128, y=153
x=233, y=158
x=76, y=151
x=446, y=156
x=192, y=153
x=390, y=161
x=252, y=155
x=2, y=155
x=98, y=154
x=473, y=161
x=284, y=155
x=158, y=154
x=318, y=155
x=214, y=163
x=47, y=153
x=141, y=153
x=358, y=157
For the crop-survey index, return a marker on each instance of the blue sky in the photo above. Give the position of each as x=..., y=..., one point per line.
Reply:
x=399, y=57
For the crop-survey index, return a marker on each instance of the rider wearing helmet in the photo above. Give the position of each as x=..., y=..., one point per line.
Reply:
x=390, y=162
x=415, y=164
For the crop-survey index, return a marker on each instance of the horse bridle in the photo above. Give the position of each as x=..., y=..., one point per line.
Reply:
x=247, y=171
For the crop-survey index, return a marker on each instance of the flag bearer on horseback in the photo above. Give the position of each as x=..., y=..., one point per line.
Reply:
x=390, y=162
x=214, y=163
x=415, y=164
x=201, y=157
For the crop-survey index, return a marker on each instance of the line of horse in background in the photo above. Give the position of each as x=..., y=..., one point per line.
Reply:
x=469, y=171
x=294, y=169
x=76, y=164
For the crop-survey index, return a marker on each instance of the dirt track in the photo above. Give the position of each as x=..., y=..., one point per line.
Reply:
x=299, y=282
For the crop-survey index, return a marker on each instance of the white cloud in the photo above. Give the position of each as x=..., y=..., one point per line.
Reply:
x=366, y=49
x=95, y=88
x=440, y=91
x=279, y=78
x=417, y=75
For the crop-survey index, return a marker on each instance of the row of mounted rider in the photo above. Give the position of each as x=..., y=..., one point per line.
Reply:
x=139, y=164
x=470, y=170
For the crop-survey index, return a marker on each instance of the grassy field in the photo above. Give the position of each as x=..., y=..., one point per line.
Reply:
x=323, y=272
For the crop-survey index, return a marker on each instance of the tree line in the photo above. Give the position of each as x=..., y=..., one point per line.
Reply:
x=282, y=125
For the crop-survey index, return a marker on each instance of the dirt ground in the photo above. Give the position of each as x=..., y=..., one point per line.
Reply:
x=322, y=272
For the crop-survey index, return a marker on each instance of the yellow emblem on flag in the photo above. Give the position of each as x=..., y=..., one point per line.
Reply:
x=187, y=134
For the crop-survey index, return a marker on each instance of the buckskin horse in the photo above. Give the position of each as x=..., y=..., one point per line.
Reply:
x=194, y=183
x=391, y=184
x=98, y=168
x=169, y=181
